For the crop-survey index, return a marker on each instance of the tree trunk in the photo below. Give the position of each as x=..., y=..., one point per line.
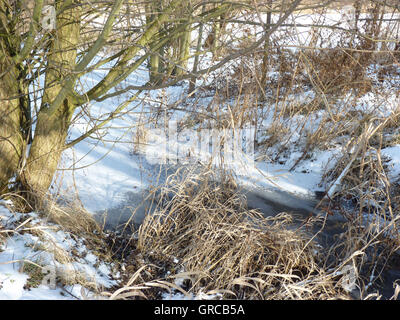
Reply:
x=51, y=130
x=264, y=70
x=184, y=48
x=192, y=85
x=213, y=41
x=11, y=138
x=153, y=9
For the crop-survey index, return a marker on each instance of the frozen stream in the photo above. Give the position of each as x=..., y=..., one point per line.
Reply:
x=269, y=202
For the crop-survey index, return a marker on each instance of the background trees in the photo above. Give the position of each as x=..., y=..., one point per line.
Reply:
x=43, y=59
x=56, y=52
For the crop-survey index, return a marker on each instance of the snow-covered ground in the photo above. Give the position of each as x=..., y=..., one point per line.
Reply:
x=36, y=254
x=104, y=172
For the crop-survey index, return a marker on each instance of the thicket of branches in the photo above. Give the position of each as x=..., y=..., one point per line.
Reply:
x=44, y=60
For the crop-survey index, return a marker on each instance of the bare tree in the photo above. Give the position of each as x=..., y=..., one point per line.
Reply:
x=62, y=51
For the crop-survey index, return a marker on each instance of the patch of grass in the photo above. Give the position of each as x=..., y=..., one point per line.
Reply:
x=77, y=227
x=35, y=273
x=202, y=239
x=223, y=247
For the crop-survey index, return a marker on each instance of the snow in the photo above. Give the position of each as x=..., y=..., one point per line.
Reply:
x=23, y=248
x=107, y=174
x=199, y=296
x=393, y=153
x=12, y=281
x=103, y=173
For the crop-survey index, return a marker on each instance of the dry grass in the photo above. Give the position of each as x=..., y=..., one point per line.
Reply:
x=369, y=202
x=72, y=220
x=224, y=248
x=202, y=239
x=202, y=232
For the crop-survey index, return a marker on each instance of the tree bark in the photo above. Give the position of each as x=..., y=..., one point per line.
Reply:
x=155, y=64
x=192, y=85
x=11, y=138
x=184, y=47
x=264, y=70
x=52, y=128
